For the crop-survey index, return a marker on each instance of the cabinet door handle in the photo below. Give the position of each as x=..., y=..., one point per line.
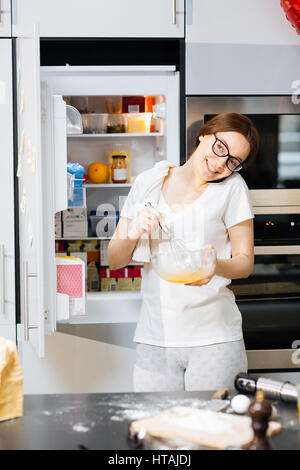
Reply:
x=174, y=12
x=2, y=279
x=27, y=327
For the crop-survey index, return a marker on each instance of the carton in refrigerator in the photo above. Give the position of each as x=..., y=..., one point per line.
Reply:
x=78, y=213
x=103, y=252
x=120, y=276
x=71, y=282
x=75, y=228
x=58, y=225
x=60, y=246
x=135, y=274
x=72, y=246
x=81, y=255
x=107, y=282
x=125, y=279
x=91, y=248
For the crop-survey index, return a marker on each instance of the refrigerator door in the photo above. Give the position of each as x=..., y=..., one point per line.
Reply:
x=30, y=189
x=54, y=151
x=7, y=245
x=98, y=81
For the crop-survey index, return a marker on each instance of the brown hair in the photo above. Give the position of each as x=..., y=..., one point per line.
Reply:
x=232, y=122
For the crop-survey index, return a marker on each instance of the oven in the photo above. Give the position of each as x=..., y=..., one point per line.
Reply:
x=269, y=300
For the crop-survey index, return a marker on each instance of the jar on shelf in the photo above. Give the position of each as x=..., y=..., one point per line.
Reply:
x=119, y=170
x=117, y=124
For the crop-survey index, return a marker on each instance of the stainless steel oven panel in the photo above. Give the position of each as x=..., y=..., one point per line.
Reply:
x=266, y=359
x=273, y=210
x=276, y=199
x=198, y=106
x=277, y=250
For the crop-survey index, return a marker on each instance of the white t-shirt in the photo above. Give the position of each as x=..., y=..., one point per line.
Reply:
x=176, y=315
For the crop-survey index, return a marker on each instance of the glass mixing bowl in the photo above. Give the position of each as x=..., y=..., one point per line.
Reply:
x=184, y=266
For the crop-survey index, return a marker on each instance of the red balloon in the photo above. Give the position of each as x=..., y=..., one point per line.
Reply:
x=292, y=11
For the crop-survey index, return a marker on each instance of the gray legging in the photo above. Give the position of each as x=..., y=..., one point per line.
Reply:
x=159, y=369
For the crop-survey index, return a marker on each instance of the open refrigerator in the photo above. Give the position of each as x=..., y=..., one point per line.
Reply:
x=44, y=150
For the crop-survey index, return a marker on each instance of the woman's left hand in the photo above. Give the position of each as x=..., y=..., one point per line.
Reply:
x=208, y=277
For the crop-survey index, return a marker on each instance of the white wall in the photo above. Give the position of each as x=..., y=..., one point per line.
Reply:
x=76, y=365
x=239, y=22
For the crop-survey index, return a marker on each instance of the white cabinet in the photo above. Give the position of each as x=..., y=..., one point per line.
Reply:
x=5, y=18
x=238, y=22
x=7, y=246
x=101, y=18
x=240, y=47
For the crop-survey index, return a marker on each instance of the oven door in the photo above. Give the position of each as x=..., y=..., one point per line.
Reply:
x=269, y=301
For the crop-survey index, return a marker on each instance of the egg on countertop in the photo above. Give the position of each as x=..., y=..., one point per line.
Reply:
x=240, y=404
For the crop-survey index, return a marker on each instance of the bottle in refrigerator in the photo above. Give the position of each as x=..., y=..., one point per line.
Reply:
x=118, y=149
x=119, y=171
x=93, y=280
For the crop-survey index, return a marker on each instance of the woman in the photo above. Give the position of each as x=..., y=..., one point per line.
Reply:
x=189, y=337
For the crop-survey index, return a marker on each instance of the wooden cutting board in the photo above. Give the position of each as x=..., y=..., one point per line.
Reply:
x=203, y=427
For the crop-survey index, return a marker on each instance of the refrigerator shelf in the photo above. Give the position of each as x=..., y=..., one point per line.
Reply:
x=113, y=295
x=108, y=185
x=81, y=238
x=109, y=307
x=112, y=135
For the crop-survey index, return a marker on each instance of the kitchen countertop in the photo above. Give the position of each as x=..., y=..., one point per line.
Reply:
x=100, y=421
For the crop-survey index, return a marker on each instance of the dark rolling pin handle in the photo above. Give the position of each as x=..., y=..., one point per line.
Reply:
x=245, y=383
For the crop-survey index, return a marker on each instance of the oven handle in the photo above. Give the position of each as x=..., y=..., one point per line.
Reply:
x=277, y=250
x=174, y=12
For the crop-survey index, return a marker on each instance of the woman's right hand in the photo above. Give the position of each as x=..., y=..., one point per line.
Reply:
x=147, y=221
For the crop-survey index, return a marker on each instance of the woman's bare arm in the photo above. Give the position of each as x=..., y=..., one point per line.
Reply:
x=121, y=248
x=128, y=233
x=242, y=248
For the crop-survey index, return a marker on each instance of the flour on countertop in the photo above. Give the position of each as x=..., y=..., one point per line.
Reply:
x=133, y=411
x=79, y=427
x=124, y=408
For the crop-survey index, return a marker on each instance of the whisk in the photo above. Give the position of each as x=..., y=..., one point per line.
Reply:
x=175, y=244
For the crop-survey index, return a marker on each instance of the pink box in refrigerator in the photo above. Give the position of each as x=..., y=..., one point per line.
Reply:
x=69, y=280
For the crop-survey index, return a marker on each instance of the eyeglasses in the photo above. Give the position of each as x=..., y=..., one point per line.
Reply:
x=220, y=149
